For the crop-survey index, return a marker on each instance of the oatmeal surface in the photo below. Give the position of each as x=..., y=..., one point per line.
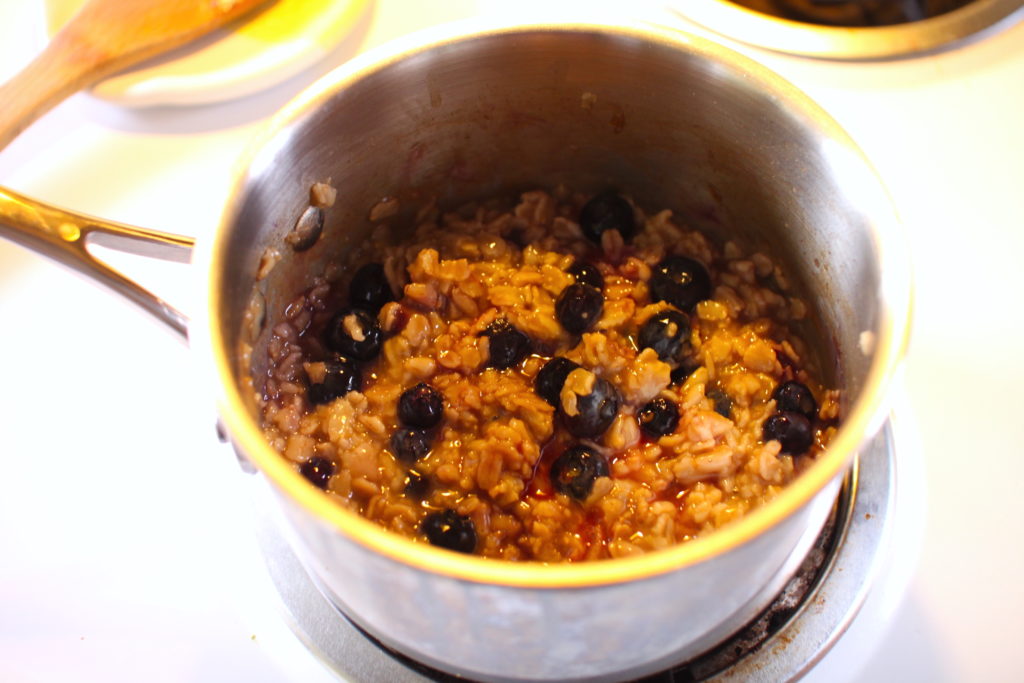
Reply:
x=567, y=378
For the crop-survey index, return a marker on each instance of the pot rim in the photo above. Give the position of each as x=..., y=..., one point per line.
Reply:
x=864, y=418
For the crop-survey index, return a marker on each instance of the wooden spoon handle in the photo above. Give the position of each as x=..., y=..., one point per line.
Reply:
x=50, y=78
x=104, y=37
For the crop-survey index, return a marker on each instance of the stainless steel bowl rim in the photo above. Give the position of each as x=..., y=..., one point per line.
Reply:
x=862, y=420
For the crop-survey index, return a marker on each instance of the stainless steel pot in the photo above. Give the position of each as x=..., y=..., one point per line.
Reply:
x=463, y=113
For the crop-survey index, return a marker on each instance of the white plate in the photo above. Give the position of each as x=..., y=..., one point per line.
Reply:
x=241, y=59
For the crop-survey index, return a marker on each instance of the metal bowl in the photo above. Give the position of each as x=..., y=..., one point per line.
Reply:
x=464, y=113
x=672, y=120
x=472, y=112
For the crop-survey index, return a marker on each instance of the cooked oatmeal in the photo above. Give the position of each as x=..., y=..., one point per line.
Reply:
x=568, y=379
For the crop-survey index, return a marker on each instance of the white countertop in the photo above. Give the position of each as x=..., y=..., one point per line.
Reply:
x=124, y=562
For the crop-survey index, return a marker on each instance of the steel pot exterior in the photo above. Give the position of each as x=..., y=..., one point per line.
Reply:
x=493, y=632
x=673, y=121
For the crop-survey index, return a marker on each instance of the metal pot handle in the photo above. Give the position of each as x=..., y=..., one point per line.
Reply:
x=65, y=236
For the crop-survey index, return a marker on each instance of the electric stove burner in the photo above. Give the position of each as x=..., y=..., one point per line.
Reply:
x=794, y=632
x=854, y=12
x=851, y=29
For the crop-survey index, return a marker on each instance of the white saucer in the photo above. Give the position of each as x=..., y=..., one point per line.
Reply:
x=273, y=45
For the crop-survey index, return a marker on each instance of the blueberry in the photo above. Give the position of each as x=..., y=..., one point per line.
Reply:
x=687, y=366
x=722, y=402
x=594, y=411
x=355, y=333
x=795, y=397
x=409, y=445
x=318, y=471
x=549, y=381
x=420, y=406
x=340, y=377
x=681, y=281
x=607, y=211
x=508, y=345
x=416, y=485
x=369, y=288
x=448, y=529
x=586, y=274
x=659, y=417
x=790, y=429
x=578, y=308
x=668, y=333
x=575, y=471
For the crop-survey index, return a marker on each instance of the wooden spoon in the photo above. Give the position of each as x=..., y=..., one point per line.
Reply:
x=104, y=37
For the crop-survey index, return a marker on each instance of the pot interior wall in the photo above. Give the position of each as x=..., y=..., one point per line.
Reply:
x=496, y=115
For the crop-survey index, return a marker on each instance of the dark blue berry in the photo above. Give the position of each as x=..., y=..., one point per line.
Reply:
x=420, y=406
x=409, y=445
x=416, y=485
x=354, y=333
x=318, y=471
x=578, y=308
x=507, y=346
x=594, y=411
x=791, y=430
x=369, y=288
x=575, y=471
x=586, y=274
x=721, y=401
x=549, y=381
x=659, y=417
x=681, y=281
x=448, y=529
x=607, y=211
x=795, y=397
x=668, y=333
x=687, y=366
x=340, y=377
